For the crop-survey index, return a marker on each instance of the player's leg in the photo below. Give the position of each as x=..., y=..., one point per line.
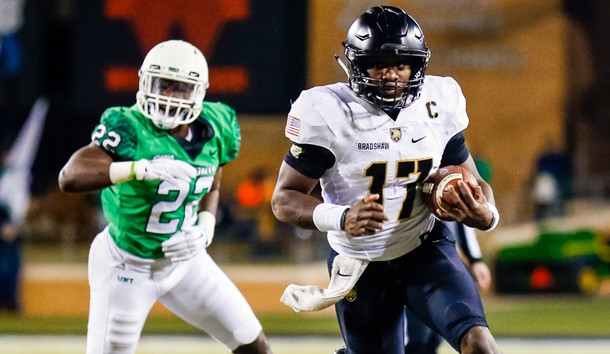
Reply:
x=10, y=259
x=371, y=317
x=206, y=298
x=420, y=338
x=121, y=298
x=260, y=345
x=444, y=296
x=479, y=340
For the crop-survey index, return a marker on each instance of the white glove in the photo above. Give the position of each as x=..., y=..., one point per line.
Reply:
x=184, y=244
x=164, y=169
x=207, y=222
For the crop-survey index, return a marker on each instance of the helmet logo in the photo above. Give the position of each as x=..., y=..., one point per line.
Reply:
x=418, y=33
x=396, y=134
x=363, y=36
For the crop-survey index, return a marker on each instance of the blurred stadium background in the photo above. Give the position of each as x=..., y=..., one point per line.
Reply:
x=534, y=73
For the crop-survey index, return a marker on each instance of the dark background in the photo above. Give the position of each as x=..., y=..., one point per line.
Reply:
x=66, y=45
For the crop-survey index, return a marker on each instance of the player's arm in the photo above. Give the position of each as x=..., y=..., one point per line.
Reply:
x=86, y=170
x=475, y=208
x=485, y=187
x=475, y=203
x=294, y=203
x=291, y=201
x=467, y=240
x=91, y=168
x=469, y=203
x=210, y=200
x=469, y=244
x=481, y=273
x=208, y=206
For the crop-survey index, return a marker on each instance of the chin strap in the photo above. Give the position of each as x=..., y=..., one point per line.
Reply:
x=343, y=66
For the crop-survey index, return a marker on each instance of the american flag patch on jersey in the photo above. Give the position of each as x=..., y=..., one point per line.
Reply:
x=293, y=126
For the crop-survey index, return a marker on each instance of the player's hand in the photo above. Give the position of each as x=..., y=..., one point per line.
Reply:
x=482, y=275
x=365, y=217
x=184, y=244
x=164, y=169
x=467, y=205
x=206, y=222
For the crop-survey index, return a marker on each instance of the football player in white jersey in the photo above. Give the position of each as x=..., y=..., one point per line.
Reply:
x=370, y=144
x=159, y=166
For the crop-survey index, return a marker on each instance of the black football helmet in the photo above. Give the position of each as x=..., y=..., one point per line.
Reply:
x=382, y=33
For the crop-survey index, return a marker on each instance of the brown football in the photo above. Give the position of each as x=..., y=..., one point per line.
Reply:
x=435, y=184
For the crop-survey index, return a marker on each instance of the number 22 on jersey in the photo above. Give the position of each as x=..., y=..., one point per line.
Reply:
x=156, y=222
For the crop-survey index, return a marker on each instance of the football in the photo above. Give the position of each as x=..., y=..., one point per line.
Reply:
x=435, y=184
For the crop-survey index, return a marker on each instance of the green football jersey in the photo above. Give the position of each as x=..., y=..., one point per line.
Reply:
x=143, y=214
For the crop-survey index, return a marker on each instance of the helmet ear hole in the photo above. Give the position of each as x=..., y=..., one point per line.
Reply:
x=386, y=32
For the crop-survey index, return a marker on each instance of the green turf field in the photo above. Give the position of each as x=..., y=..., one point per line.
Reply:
x=583, y=320
x=539, y=316
x=156, y=344
x=529, y=316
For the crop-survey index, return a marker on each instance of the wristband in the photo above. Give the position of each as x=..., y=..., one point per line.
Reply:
x=120, y=172
x=139, y=169
x=474, y=260
x=329, y=217
x=343, y=216
x=207, y=222
x=496, y=217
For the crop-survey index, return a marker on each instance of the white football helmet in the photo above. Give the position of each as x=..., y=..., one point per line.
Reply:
x=173, y=82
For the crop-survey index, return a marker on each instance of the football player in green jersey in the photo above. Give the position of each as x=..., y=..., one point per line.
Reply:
x=159, y=165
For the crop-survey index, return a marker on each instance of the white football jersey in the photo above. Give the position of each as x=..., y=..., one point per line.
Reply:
x=375, y=154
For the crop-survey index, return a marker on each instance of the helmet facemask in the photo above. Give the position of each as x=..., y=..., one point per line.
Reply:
x=386, y=36
x=173, y=83
x=387, y=94
x=168, y=111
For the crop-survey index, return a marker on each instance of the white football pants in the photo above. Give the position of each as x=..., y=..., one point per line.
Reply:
x=125, y=287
